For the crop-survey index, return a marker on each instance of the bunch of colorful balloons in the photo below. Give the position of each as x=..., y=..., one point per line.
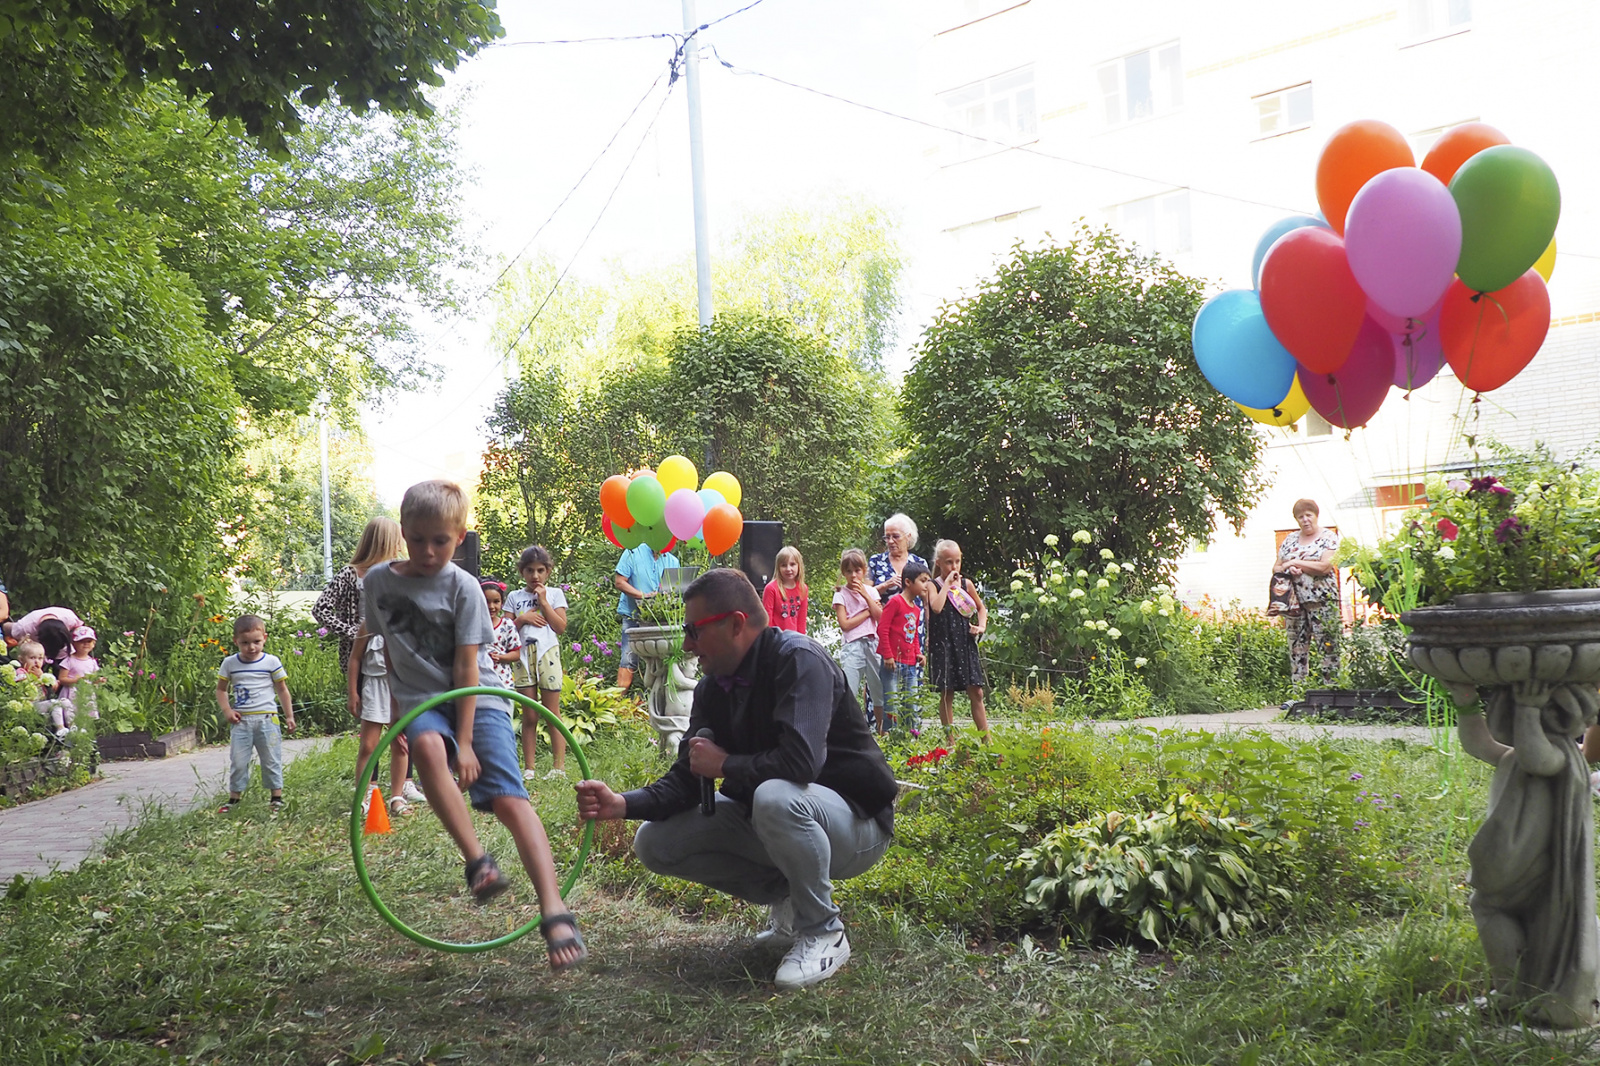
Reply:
x=1406, y=268
x=664, y=506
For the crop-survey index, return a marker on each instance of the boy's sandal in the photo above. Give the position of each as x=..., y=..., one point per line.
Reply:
x=484, y=878
x=554, y=945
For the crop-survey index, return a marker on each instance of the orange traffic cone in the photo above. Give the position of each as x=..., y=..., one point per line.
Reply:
x=377, y=813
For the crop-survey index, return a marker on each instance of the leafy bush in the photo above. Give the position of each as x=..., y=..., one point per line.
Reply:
x=974, y=811
x=588, y=705
x=1119, y=651
x=1189, y=868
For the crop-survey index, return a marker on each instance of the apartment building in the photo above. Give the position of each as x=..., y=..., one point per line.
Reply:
x=1192, y=126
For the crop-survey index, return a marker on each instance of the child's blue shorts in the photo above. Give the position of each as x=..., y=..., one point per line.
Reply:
x=493, y=742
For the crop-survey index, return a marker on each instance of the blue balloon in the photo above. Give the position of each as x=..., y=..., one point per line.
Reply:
x=711, y=497
x=1238, y=354
x=1269, y=238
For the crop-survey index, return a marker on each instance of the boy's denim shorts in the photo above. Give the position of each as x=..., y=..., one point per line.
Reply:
x=493, y=742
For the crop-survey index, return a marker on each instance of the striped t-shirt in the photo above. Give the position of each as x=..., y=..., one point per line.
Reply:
x=251, y=683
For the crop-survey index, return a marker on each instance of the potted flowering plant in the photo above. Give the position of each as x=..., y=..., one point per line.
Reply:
x=1503, y=564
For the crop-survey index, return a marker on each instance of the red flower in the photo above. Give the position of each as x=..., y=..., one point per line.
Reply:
x=1448, y=529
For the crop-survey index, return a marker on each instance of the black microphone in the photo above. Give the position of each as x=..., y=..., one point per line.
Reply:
x=708, y=786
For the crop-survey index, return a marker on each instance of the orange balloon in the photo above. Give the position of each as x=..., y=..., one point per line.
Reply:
x=1488, y=338
x=1355, y=153
x=722, y=526
x=1459, y=144
x=614, y=501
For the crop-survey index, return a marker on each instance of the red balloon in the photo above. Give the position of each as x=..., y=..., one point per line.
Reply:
x=605, y=527
x=673, y=543
x=1350, y=396
x=1489, y=337
x=1312, y=302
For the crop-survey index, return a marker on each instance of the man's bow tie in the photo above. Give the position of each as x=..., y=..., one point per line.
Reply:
x=728, y=681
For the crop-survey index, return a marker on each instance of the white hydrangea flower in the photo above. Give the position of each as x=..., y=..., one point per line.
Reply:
x=1016, y=585
x=1113, y=632
x=1076, y=594
x=1082, y=536
x=1102, y=584
x=1056, y=579
x=1026, y=616
x=1446, y=552
x=1164, y=613
x=1107, y=553
x=1113, y=569
x=1146, y=606
x=1102, y=625
x=1141, y=662
x=1051, y=540
x=1081, y=574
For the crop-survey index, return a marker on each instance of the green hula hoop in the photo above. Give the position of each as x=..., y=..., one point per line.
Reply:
x=364, y=787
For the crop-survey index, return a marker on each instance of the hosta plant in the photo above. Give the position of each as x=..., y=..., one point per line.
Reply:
x=1192, y=868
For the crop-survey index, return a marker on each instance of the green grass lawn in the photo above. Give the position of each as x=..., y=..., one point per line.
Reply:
x=246, y=939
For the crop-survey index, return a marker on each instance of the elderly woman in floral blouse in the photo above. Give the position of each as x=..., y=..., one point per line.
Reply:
x=1307, y=559
x=883, y=569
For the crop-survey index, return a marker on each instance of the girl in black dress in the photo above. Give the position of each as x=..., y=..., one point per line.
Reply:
x=956, y=618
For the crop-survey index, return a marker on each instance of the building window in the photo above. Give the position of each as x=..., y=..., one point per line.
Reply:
x=1142, y=84
x=1437, y=18
x=1000, y=109
x=1158, y=224
x=1284, y=110
x=1317, y=426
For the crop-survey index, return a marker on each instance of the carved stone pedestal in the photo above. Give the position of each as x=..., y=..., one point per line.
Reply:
x=671, y=686
x=1533, y=660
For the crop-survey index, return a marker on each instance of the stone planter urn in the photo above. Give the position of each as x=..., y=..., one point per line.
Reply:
x=671, y=684
x=1523, y=668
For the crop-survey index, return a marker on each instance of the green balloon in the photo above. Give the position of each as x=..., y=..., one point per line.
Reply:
x=647, y=502
x=1509, y=202
x=657, y=536
x=631, y=537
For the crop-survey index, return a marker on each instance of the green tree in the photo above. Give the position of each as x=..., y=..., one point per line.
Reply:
x=282, y=509
x=309, y=266
x=1063, y=395
x=800, y=426
x=617, y=375
x=70, y=65
x=117, y=423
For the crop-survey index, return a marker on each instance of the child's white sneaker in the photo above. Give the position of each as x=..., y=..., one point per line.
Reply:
x=411, y=793
x=530, y=776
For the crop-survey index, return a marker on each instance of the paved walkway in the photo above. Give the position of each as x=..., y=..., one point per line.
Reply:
x=1266, y=719
x=61, y=831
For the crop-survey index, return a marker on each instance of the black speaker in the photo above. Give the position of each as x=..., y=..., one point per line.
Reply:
x=758, y=551
x=467, y=554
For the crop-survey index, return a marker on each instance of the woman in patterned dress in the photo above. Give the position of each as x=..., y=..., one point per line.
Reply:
x=1306, y=558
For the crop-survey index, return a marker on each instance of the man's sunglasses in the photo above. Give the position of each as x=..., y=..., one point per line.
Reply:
x=691, y=630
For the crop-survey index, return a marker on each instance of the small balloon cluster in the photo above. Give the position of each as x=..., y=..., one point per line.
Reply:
x=664, y=506
x=1407, y=268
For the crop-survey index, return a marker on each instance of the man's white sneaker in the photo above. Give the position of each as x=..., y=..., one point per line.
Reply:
x=780, y=923
x=411, y=793
x=813, y=959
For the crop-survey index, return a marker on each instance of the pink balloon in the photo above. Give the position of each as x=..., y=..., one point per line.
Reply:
x=1403, y=237
x=684, y=513
x=1351, y=395
x=1418, y=353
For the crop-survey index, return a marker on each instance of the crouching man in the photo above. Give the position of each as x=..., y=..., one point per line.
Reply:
x=806, y=798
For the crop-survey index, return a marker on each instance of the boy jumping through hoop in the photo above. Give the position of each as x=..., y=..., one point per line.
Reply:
x=436, y=633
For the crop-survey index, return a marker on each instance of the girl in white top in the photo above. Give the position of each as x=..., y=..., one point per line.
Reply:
x=540, y=611
x=857, y=608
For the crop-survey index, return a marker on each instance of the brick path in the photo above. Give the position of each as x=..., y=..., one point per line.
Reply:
x=61, y=831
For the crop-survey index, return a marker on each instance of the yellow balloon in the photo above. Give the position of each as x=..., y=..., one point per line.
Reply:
x=726, y=484
x=1287, y=412
x=1546, y=263
x=677, y=472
